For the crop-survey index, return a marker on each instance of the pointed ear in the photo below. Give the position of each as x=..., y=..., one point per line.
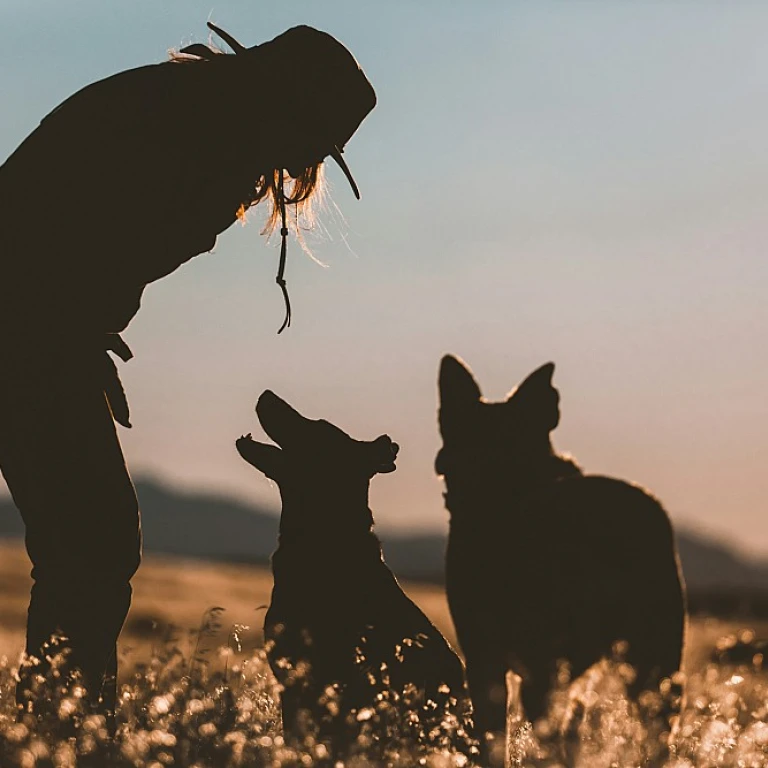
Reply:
x=268, y=459
x=540, y=378
x=538, y=398
x=456, y=383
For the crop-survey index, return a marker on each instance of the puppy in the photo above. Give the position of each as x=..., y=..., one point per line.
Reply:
x=545, y=563
x=360, y=666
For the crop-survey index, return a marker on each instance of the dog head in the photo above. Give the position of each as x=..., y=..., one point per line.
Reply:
x=488, y=434
x=313, y=454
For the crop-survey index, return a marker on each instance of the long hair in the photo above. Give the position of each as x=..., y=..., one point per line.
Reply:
x=304, y=192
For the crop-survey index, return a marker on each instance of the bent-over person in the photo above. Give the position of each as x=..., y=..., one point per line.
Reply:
x=117, y=187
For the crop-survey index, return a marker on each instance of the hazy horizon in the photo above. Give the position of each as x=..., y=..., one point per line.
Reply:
x=584, y=183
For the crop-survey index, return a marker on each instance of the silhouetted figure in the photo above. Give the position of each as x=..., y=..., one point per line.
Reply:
x=353, y=654
x=545, y=563
x=118, y=186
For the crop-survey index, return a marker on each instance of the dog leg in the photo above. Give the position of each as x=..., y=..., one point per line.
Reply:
x=486, y=677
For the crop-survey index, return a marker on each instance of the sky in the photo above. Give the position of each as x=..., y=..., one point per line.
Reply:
x=541, y=180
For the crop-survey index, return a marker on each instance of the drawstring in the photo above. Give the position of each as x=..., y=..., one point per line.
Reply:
x=280, y=279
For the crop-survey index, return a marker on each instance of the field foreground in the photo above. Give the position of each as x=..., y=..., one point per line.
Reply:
x=196, y=690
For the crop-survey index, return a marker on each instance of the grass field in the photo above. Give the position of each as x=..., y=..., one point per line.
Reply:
x=177, y=592
x=225, y=714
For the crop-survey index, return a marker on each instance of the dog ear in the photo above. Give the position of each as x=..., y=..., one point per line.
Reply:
x=538, y=399
x=268, y=459
x=456, y=383
x=381, y=455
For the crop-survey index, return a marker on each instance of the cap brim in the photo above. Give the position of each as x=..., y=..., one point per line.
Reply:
x=337, y=156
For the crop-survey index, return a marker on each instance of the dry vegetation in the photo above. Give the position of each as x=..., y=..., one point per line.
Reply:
x=209, y=700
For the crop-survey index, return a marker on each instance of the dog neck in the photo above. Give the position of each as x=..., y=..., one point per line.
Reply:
x=333, y=528
x=470, y=484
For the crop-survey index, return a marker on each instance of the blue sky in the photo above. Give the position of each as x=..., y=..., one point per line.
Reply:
x=578, y=182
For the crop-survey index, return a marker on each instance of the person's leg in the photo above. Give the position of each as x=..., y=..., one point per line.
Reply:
x=62, y=461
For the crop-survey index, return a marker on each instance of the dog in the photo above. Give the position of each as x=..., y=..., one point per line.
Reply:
x=545, y=563
x=359, y=665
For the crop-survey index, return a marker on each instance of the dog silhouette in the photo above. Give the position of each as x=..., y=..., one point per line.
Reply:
x=360, y=666
x=545, y=563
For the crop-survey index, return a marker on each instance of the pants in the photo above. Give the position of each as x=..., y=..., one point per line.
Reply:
x=62, y=461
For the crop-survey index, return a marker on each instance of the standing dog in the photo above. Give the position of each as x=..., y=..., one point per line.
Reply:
x=545, y=563
x=358, y=662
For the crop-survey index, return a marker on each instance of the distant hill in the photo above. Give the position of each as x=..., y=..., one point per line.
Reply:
x=205, y=526
x=214, y=527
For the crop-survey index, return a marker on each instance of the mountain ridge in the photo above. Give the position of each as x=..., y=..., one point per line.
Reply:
x=213, y=526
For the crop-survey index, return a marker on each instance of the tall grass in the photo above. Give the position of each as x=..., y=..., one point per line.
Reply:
x=198, y=702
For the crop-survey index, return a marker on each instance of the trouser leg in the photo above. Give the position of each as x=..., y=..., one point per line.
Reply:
x=62, y=460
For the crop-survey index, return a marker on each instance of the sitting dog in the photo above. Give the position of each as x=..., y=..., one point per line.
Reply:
x=545, y=563
x=360, y=666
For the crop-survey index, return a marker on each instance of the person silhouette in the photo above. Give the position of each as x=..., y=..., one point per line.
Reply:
x=118, y=186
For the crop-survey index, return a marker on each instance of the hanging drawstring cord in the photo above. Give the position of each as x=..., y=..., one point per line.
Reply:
x=280, y=279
